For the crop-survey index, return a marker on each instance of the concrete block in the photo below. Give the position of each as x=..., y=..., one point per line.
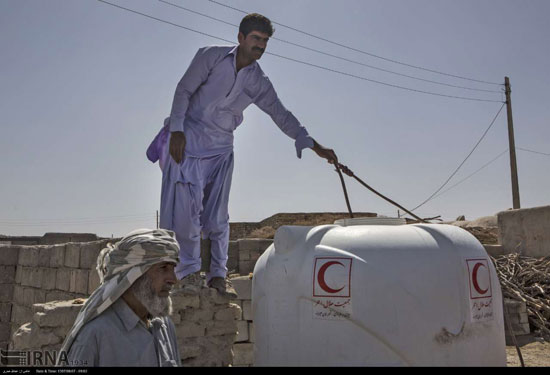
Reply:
x=25, y=275
x=189, y=348
x=520, y=329
x=246, y=267
x=57, y=256
x=233, y=249
x=28, y=297
x=18, y=294
x=20, y=315
x=9, y=255
x=88, y=254
x=190, y=329
x=7, y=274
x=36, y=275
x=263, y=244
x=197, y=315
x=219, y=327
x=243, y=354
x=57, y=295
x=28, y=256
x=5, y=312
x=72, y=255
x=93, y=281
x=49, y=278
x=18, y=271
x=243, y=287
x=247, y=310
x=242, y=331
x=181, y=302
x=44, y=255
x=30, y=336
x=231, y=313
x=63, y=279
x=244, y=255
x=525, y=231
x=79, y=281
x=514, y=307
x=6, y=293
x=39, y=296
x=5, y=329
x=210, y=299
x=56, y=314
x=248, y=245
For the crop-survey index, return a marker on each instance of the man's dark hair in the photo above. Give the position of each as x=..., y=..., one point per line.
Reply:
x=256, y=22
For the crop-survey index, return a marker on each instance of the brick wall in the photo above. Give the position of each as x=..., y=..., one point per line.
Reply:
x=44, y=273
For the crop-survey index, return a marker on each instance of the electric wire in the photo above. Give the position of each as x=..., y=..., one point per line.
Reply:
x=472, y=174
x=79, y=221
x=361, y=51
x=306, y=63
x=461, y=164
x=332, y=55
x=534, y=152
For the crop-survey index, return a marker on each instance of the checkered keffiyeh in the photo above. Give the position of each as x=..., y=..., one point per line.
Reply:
x=119, y=266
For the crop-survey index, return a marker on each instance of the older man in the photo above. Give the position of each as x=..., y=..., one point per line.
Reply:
x=125, y=322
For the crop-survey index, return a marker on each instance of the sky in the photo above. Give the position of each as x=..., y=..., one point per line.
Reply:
x=85, y=86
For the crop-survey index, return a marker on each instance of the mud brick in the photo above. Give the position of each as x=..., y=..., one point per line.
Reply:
x=243, y=287
x=49, y=278
x=9, y=255
x=88, y=255
x=57, y=256
x=72, y=255
x=7, y=274
x=79, y=281
x=28, y=256
x=63, y=279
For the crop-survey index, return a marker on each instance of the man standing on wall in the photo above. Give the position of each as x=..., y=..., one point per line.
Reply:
x=195, y=147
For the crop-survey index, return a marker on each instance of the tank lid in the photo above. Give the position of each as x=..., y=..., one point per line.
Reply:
x=371, y=221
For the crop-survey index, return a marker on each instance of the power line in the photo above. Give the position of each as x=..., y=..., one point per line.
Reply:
x=461, y=164
x=534, y=152
x=472, y=174
x=332, y=55
x=77, y=221
x=360, y=51
x=306, y=63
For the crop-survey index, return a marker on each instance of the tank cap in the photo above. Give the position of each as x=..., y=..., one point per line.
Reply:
x=371, y=221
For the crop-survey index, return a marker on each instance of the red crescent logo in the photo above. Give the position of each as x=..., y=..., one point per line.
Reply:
x=474, y=279
x=321, y=277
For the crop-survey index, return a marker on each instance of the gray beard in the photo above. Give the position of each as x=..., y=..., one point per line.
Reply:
x=156, y=305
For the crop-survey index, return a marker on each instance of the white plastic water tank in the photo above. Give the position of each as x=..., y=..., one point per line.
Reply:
x=411, y=295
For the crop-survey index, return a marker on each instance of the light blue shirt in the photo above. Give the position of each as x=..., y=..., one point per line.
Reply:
x=118, y=337
x=211, y=97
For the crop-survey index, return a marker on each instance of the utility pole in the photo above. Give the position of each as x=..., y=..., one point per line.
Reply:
x=512, y=147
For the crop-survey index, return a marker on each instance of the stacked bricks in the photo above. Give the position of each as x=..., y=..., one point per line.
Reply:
x=51, y=322
x=206, y=327
x=516, y=312
x=9, y=256
x=47, y=273
x=250, y=250
x=243, y=349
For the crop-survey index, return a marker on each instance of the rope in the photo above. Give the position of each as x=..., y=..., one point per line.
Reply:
x=342, y=168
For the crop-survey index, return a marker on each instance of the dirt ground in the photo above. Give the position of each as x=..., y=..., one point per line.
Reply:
x=535, y=353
